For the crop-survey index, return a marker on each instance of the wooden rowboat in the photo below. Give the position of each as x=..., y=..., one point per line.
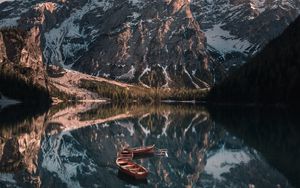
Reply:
x=125, y=154
x=132, y=169
x=127, y=166
x=141, y=150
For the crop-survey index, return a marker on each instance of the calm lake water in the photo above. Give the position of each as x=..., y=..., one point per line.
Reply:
x=76, y=146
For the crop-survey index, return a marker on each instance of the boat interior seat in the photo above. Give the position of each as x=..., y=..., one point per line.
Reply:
x=134, y=169
x=122, y=161
x=128, y=166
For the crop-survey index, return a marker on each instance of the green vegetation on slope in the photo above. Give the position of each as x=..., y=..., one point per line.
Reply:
x=141, y=94
x=15, y=87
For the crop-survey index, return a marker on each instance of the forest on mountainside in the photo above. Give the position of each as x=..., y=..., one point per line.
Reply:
x=272, y=76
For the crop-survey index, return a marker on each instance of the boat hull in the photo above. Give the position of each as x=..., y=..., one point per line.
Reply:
x=138, y=177
x=142, y=150
x=130, y=168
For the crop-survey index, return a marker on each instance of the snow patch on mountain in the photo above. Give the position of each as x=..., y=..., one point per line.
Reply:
x=9, y=22
x=223, y=160
x=58, y=45
x=57, y=158
x=145, y=71
x=8, y=178
x=190, y=77
x=258, y=5
x=137, y=3
x=105, y=4
x=167, y=77
x=284, y=4
x=129, y=75
x=127, y=125
x=223, y=41
x=1, y=1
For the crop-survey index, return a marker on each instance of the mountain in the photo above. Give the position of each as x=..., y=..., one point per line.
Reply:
x=153, y=43
x=154, y=48
x=238, y=29
x=182, y=43
x=21, y=65
x=243, y=25
x=272, y=76
x=25, y=78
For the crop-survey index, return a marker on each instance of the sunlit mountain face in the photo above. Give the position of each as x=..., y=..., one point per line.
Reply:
x=177, y=42
x=77, y=148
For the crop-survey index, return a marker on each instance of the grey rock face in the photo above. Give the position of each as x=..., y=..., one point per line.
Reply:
x=166, y=43
x=253, y=22
x=157, y=44
x=21, y=55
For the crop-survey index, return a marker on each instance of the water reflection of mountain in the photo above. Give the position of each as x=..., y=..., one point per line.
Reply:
x=271, y=130
x=21, y=130
x=76, y=145
x=183, y=130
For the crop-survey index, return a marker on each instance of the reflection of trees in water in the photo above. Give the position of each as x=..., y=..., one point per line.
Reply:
x=185, y=135
x=187, y=131
x=273, y=131
x=183, y=129
x=20, y=145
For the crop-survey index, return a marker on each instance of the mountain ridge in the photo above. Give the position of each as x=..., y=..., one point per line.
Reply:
x=272, y=76
x=74, y=33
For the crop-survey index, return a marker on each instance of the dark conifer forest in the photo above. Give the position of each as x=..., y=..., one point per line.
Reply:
x=272, y=76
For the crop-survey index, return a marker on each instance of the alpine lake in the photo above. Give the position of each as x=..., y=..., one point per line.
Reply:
x=75, y=145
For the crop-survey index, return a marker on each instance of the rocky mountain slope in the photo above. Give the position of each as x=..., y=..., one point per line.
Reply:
x=243, y=25
x=155, y=44
x=272, y=76
x=166, y=43
x=22, y=72
x=25, y=77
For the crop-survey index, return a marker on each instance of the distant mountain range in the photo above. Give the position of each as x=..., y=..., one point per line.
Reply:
x=170, y=43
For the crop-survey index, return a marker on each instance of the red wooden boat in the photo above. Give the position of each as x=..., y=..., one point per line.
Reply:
x=125, y=154
x=141, y=150
x=127, y=166
x=132, y=169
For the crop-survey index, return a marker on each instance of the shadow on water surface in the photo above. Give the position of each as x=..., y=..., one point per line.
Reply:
x=15, y=114
x=76, y=145
x=273, y=131
x=130, y=180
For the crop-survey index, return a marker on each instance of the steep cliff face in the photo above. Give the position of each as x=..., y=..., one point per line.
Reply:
x=151, y=43
x=22, y=70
